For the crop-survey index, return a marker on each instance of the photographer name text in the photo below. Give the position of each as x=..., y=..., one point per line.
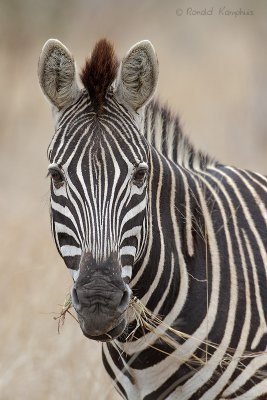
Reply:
x=221, y=11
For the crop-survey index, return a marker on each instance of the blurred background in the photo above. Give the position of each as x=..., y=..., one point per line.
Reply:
x=213, y=72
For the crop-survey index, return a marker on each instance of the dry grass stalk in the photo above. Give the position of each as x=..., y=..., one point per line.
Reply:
x=64, y=310
x=153, y=323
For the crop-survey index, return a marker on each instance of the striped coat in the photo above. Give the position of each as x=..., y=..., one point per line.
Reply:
x=142, y=219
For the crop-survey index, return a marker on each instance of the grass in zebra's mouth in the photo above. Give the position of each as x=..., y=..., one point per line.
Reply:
x=145, y=318
x=153, y=323
x=164, y=332
x=67, y=305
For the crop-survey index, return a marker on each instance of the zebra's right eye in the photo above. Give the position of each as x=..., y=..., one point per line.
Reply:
x=57, y=177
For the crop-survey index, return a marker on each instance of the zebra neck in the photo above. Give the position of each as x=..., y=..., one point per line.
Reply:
x=162, y=130
x=177, y=231
x=170, y=237
x=163, y=277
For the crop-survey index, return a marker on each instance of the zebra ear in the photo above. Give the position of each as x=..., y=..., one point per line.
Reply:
x=138, y=75
x=57, y=74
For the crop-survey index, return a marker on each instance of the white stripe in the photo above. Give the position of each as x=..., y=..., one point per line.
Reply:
x=70, y=251
x=249, y=371
x=60, y=228
x=128, y=250
x=127, y=271
x=74, y=273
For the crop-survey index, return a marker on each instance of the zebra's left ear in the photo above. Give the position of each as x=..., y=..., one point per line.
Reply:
x=138, y=75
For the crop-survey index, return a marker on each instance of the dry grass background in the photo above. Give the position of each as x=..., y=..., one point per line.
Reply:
x=213, y=70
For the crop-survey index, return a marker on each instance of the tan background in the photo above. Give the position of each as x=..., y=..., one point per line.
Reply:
x=213, y=70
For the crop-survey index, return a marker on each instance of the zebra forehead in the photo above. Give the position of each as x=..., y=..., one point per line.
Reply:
x=81, y=131
x=114, y=118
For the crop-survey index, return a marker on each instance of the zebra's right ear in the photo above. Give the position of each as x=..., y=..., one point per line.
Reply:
x=57, y=74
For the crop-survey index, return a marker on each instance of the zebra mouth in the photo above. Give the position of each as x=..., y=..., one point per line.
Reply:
x=109, y=336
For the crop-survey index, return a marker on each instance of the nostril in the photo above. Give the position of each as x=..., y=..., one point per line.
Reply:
x=75, y=299
x=124, y=300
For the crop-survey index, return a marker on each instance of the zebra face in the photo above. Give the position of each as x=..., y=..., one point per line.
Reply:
x=98, y=210
x=99, y=168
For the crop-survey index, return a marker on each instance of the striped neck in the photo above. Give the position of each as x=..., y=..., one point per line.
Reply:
x=162, y=130
x=177, y=202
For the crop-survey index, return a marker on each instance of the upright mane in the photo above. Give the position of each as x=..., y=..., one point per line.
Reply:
x=163, y=130
x=99, y=72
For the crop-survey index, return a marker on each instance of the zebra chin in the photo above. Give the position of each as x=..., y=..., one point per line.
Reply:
x=108, y=336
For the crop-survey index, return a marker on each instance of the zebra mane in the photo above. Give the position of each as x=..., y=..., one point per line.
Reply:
x=99, y=72
x=162, y=129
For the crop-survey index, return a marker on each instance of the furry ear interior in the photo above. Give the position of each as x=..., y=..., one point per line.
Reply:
x=57, y=74
x=138, y=75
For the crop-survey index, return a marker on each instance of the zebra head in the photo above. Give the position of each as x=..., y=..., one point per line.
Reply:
x=99, y=169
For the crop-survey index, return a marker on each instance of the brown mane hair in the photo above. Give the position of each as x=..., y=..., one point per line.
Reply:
x=99, y=72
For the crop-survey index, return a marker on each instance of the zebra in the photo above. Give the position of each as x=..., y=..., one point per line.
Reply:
x=137, y=213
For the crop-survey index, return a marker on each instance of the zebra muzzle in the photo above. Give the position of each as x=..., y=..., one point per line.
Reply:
x=101, y=308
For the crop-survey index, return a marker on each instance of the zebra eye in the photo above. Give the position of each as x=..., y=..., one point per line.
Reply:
x=57, y=177
x=139, y=175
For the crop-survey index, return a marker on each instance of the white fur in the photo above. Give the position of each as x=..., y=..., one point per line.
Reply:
x=74, y=273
